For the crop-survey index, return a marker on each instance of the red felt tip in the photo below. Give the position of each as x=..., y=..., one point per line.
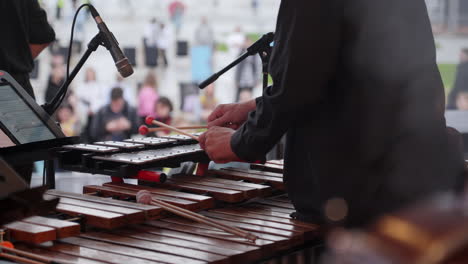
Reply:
x=149, y=120
x=143, y=130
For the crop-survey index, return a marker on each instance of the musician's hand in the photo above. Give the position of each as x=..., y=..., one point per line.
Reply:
x=231, y=115
x=217, y=144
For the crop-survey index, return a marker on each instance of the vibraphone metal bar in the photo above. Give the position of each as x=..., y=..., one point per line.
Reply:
x=125, y=159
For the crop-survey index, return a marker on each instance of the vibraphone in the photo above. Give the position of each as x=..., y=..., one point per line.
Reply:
x=124, y=232
x=117, y=230
x=128, y=158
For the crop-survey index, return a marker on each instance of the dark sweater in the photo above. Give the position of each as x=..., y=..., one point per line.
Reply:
x=358, y=92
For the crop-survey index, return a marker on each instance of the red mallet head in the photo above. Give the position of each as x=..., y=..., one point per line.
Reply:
x=149, y=120
x=143, y=197
x=143, y=130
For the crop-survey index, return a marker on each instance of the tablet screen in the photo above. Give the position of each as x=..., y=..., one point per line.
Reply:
x=19, y=119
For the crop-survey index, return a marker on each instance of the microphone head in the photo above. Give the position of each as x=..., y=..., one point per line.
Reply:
x=124, y=67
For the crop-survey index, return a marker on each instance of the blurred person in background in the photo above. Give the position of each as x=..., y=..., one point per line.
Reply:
x=128, y=90
x=461, y=80
x=25, y=34
x=68, y=120
x=91, y=96
x=254, y=4
x=147, y=96
x=59, y=9
x=208, y=102
x=462, y=101
x=150, y=41
x=204, y=35
x=151, y=33
x=176, y=13
x=163, y=113
x=116, y=121
x=235, y=41
x=56, y=80
x=91, y=92
x=163, y=41
x=248, y=72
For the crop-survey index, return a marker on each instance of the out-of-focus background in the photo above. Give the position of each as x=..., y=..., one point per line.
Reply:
x=175, y=44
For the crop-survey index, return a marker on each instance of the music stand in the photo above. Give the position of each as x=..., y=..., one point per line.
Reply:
x=27, y=132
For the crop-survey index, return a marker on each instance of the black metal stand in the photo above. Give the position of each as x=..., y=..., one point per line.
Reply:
x=50, y=108
x=50, y=173
x=98, y=40
x=261, y=47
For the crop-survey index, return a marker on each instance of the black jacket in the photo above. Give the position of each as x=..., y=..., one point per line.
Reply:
x=357, y=89
x=98, y=130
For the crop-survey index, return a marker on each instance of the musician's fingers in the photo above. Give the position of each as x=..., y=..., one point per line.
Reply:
x=217, y=113
x=202, y=140
x=220, y=122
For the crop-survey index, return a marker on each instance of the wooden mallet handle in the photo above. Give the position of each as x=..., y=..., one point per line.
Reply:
x=150, y=120
x=143, y=130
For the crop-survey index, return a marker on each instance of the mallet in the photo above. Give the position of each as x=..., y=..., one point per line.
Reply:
x=143, y=130
x=150, y=120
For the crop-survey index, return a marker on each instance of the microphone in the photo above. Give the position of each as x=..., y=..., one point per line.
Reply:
x=121, y=62
x=260, y=45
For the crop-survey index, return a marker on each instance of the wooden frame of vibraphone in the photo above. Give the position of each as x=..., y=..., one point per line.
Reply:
x=172, y=239
x=267, y=218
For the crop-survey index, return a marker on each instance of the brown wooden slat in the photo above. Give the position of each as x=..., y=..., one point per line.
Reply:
x=205, y=202
x=260, y=233
x=248, y=192
x=112, y=191
x=256, y=172
x=270, y=208
x=264, y=189
x=98, y=255
x=94, y=217
x=264, y=215
x=63, y=228
x=293, y=230
x=187, y=226
x=57, y=256
x=219, y=194
x=266, y=247
x=234, y=256
x=147, y=253
x=261, y=212
x=132, y=216
x=269, y=242
x=156, y=246
x=152, y=211
x=267, y=167
x=31, y=233
x=275, y=162
x=293, y=238
x=277, y=183
x=250, y=252
x=276, y=204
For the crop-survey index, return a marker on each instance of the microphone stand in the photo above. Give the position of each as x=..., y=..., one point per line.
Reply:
x=97, y=40
x=261, y=47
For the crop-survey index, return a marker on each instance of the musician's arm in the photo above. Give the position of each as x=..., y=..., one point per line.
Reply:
x=309, y=54
x=41, y=34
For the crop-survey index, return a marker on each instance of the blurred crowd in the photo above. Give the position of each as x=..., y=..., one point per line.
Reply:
x=97, y=110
